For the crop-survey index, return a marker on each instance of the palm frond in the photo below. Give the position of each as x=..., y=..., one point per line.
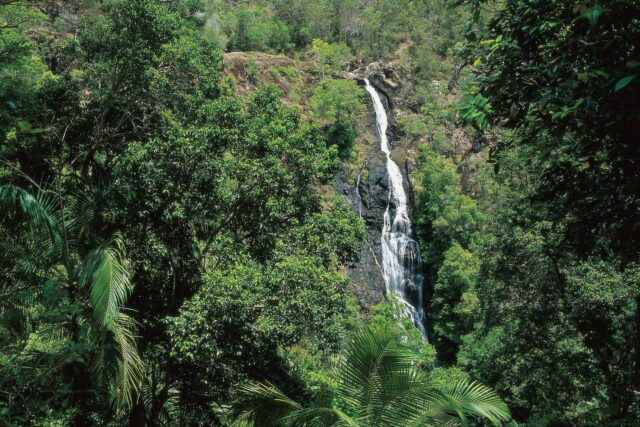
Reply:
x=157, y=391
x=371, y=353
x=263, y=405
x=41, y=212
x=379, y=384
x=169, y=413
x=477, y=400
x=81, y=212
x=318, y=416
x=445, y=403
x=392, y=404
x=118, y=365
x=106, y=271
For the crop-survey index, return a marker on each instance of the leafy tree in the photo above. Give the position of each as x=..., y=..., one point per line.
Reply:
x=454, y=302
x=560, y=78
x=563, y=75
x=377, y=383
x=335, y=104
x=23, y=70
x=334, y=236
x=444, y=214
x=545, y=339
x=331, y=57
x=307, y=19
x=388, y=315
x=236, y=327
x=256, y=28
x=133, y=116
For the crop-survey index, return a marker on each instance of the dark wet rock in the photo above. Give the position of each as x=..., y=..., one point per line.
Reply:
x=369, y=199
x=373, y=190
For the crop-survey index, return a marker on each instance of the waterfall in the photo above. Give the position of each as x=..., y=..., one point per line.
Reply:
x=401, y=262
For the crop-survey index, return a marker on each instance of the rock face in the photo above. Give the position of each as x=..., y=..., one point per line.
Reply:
x=368, y=194
x=367, y=188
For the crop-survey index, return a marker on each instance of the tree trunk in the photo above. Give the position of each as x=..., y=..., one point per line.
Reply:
x=137, y=417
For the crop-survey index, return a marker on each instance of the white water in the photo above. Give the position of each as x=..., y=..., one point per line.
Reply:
x=401, y=262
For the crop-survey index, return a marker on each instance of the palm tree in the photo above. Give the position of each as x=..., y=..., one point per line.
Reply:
x=379, y=383
x=93, y=273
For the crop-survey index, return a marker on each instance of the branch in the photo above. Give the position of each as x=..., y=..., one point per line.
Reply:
x=24, y=175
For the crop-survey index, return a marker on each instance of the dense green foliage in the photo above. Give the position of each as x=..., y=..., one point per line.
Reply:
x=213, y=198
x=565, y=225
x=330, y=57
x=171, y=252
x=85, y=284
x=539, y=296
x=378, y=383
x=563, y=75
x=334, y=104
x=238, y=322
x=373, y=29
x=447, y=221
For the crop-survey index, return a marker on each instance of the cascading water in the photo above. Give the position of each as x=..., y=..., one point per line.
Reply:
x=401, y=262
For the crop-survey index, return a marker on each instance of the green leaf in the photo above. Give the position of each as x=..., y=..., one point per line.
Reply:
x=25, y=126
x=624, y=82
x=594, y=15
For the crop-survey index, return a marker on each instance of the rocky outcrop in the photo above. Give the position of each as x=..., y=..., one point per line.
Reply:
x=385, y=77
x=368, y=196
